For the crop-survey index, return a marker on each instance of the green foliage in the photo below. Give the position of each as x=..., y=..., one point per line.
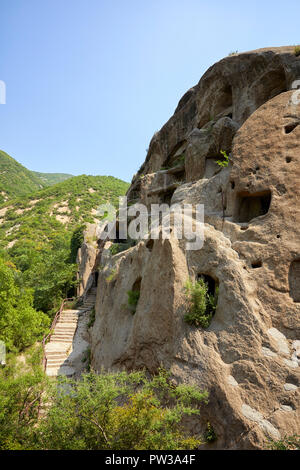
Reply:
x=287, y=443
x=119, y=411
x=44, y=249
x=20, y=323
x=225, y=162
x=52, y=178
x=116, y=248
x=16, y=180
x=233, y=53
x=133, y=298
x=297, y=51
x=76, y=242
x=210, y=435
x=21, y=386
x=111, y=277
x=202, y=305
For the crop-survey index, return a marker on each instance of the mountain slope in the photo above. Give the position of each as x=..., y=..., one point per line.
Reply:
x=52, y=178
x=15, y=179
x=57, y=209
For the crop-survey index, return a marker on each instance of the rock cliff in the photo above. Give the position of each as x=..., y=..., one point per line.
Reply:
x=248, y=358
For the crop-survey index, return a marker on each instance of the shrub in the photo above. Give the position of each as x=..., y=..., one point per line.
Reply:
x=287, y=443
x=119, y=411
x=297, y=51
x=225, y=162
x=112, y=276
x=210, y=435
x=133, y=298
x=202, y=305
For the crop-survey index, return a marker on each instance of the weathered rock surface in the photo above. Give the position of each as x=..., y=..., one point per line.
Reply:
x=249, y=357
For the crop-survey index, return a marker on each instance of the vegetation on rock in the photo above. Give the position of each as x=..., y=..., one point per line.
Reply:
x=202, y=305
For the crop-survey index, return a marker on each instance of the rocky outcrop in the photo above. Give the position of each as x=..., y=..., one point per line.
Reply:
x=248, y=358
x=87, y=274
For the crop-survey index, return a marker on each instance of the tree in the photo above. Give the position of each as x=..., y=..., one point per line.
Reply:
x=119, y=411
x=20, y=323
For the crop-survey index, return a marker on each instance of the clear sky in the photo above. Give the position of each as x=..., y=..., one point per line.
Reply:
x=90, y=81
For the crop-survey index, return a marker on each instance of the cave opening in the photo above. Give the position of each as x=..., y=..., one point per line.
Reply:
x=223, y=102
x=294, y=280
x=249, y=206
x=291, y=127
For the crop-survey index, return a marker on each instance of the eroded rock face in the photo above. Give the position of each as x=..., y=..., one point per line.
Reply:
x=87, y=260
x=248, y=359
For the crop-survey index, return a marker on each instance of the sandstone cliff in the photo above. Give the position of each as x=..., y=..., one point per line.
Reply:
x=248, y=358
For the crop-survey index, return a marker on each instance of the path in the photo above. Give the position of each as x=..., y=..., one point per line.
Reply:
x=67, y=346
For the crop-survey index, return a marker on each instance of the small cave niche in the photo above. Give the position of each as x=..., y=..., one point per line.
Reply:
x=249, y=206
x=256, y=264
x=294, y=280
x=291, y=127
x=134, y=295
x=211, y=283
x=223, y=101
x=150, y=244
x=288, y=159
x=167, y=196
x=136, y=287
x=270, y=85
x=95, y=279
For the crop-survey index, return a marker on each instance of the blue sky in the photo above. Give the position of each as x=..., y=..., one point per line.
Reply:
x=90, y=81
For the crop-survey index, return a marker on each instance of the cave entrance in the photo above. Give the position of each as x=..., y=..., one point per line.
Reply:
x=95, y=280
x=223, y=102
x=211, y=283
x=167, y=196
x=294, y=280
x=253, y=205
x=270, y=85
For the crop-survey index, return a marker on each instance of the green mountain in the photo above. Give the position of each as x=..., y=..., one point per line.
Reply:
x=57, y=209
x=41, y=230
x=15, y=179
x=52, y=178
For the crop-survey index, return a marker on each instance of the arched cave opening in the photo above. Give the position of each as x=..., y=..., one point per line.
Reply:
x=270, y=85
x=294, y=280
x=223, y=102
x=249, y=206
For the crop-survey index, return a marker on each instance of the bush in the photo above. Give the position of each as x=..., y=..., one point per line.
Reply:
x=225, y=162
x=202, y=305
x=119, y=411
x=297, y=51
x=287, y=443
x=20, y=324
x=210, y=435
x=133, y=298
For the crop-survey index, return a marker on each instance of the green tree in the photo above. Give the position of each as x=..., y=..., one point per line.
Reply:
x=119, y=411
x=20, y=323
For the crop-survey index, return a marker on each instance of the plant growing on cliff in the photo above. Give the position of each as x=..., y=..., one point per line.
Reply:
x=202, y=305
x=225, y=162
x=287, y=443
x=210, y=435
x=297, y=51
x=133, y=298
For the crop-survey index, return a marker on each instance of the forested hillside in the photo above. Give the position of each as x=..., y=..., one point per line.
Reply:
x=52, y=178
x=40, y=233
x=15, y=179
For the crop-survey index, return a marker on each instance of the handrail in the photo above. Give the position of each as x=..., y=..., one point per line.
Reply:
x=47, y=337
